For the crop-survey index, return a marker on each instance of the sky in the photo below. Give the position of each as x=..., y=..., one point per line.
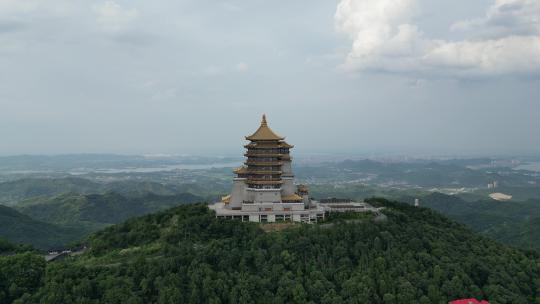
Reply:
x=406, y=77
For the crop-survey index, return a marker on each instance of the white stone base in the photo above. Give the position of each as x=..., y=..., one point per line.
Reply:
x=284, y=214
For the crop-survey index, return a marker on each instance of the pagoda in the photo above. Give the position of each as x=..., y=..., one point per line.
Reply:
x=263, y=188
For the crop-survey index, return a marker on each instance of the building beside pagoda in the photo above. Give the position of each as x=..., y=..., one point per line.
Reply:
x=264, y=189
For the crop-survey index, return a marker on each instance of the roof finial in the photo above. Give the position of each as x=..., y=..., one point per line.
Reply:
x=263, y=122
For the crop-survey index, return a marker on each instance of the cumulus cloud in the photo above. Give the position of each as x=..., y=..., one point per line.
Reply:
x=505, y=41
x=504, y=18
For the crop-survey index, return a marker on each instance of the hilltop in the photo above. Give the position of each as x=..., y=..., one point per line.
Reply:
x=186, y=255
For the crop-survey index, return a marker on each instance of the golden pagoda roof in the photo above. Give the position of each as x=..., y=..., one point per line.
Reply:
x=292, y=197
x=303, y=188
x=264, y=133
x=241, y=170
x=269, y=145
x=285, y=145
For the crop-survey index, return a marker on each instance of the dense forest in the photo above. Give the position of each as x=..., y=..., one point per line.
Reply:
x=516, y=222
x=22, y=229
x=100, y=209
x=54, y=222
x=185, y=255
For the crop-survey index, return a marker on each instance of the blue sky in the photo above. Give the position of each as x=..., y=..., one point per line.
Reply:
x=355, y=76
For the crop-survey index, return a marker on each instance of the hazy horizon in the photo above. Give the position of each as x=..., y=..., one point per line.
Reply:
x=301, y=154
x=407, y=77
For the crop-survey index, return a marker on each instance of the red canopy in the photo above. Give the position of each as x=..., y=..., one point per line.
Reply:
x=468, y=301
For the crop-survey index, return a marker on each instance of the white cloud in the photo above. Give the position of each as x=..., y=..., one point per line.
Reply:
x=505, y=41
x=114, y=18
x=504, y=18
x=10, y=7
x=30, y=10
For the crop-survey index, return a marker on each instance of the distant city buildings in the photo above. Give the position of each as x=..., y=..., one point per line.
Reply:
x=493, y=185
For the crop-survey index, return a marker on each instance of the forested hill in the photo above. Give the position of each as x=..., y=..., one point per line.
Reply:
x=54, y=222
x=13, y=192
x=513, y=222
x=99, y=209
x=21, y=229
x=185, y=255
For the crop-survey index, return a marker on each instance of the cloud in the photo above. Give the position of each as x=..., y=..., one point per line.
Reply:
x=505, y=41
x=114, y=18
x=10, y=7
x=505, y=18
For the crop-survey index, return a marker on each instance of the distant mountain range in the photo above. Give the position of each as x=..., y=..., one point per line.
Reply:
x=425, y=174
x=98, y=161
x=52, y=222
x=13, y=192
x=100, y=209
x=92, y=201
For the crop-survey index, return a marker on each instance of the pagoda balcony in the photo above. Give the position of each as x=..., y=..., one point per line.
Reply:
x=264, y=187
x=267, y=150
x=263, y=154
x=265, y=172
x=274, y=181
x=264, y=179
x=262, y=164
x=259, y=146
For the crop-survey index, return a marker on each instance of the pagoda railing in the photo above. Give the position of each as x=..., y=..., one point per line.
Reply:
x=263, y=163
x=265, y=154
x=268, y=172
x=264, y=181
